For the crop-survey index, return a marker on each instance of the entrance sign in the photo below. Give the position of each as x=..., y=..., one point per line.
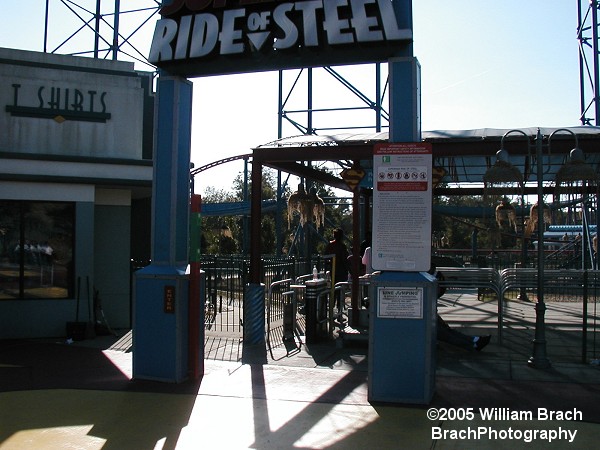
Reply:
x=204, y=37
x=402, y=197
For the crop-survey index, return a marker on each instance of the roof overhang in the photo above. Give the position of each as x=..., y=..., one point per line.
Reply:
x=464, y=154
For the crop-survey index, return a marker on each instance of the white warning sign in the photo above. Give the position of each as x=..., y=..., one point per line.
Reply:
x=400, y=302
x=402, y=197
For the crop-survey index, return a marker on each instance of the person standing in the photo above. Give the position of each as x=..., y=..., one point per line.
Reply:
x=338, y=248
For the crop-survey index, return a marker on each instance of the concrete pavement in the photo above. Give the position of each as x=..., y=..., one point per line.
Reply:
x=297, y=396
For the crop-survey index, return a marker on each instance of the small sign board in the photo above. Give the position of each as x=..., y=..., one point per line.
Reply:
x=353, y=176
x=169, y=300
x=400, y=302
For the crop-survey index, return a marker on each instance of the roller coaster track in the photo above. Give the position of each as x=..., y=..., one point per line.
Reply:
x=218, y=163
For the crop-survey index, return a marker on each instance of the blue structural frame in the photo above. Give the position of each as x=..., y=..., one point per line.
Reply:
x=161, y=289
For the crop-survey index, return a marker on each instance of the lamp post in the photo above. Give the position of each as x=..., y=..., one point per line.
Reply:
x=539, y=359
x=504, y=173
x=575, y=175
x=575, y=171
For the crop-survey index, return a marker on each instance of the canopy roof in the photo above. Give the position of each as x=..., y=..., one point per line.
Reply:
x=465, y=155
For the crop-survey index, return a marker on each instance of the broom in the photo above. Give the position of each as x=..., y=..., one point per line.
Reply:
x=90, y=329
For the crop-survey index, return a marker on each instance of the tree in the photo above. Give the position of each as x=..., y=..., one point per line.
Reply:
x=268, y=218
x=225, y=234
x=219, y=233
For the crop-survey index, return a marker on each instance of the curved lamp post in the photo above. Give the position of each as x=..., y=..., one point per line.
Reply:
x=576, y=170
x=505, y=174
x=539, y=359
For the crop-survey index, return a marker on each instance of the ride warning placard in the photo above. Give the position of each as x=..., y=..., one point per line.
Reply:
x=400, y=302
x=402, y=203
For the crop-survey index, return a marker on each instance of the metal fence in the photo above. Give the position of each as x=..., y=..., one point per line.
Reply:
x=571, y=297
x=225, y=280
x=557, y=255
x=227, y=276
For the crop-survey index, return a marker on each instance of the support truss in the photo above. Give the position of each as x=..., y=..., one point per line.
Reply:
x=589, y=70
x=95, y=28
x=309, y=119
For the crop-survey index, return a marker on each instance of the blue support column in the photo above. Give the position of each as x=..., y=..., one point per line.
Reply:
x=405, y=100
x=402, y=306
x=160, y=329
x=402, y=338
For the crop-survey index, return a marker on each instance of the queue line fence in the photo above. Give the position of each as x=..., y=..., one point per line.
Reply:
x=561, y=286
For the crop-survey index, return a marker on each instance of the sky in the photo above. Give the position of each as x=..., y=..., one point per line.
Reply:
x=484, y=64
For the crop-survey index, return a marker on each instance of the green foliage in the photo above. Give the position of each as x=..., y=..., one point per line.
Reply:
x=219, y=234
x=225, y=234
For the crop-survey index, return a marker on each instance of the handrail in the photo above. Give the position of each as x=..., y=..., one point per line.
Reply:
x=274, y=284
x=568, y=278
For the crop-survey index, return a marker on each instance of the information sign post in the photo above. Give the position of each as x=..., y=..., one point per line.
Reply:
x=402, y=319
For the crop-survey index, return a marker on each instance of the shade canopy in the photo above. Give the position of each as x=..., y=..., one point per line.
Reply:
x=462, y=156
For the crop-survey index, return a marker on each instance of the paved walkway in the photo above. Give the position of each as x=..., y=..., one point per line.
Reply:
x=296, y=396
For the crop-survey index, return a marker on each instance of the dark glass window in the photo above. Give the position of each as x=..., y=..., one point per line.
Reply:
x=36, y=249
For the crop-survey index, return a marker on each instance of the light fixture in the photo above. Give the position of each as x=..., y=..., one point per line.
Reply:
x=575, y=173
x=577, y=179
x=504, y=179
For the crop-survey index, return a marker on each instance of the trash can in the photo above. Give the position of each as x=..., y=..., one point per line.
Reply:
x=313, y=310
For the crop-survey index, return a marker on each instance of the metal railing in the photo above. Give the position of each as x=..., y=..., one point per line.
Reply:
x=558, y=255
x=281, y=309
x=560, y=285
x=226, y=277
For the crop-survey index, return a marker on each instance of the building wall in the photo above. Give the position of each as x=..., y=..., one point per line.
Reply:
x=72, y=132
x=112, y=268
x=61, y=85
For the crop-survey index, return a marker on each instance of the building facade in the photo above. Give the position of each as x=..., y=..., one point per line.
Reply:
x=75, y=187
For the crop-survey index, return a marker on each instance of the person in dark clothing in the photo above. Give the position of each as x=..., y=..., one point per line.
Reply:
x=458, y=339
x=338, y=248
x=454, y=337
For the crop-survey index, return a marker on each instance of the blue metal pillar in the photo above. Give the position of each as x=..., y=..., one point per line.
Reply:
x=405, y=100
x=405, y=370
x=160, y=329
x=402, y=348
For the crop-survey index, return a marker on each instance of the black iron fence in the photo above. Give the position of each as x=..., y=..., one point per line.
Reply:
x=226, y=277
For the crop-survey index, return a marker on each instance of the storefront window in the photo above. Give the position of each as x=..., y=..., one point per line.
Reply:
x=36, y=249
